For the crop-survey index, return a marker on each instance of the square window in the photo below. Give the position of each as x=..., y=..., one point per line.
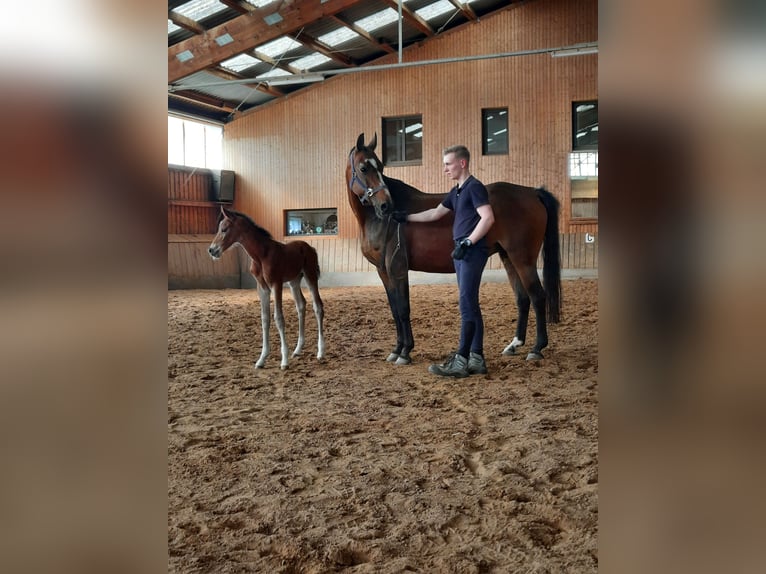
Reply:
x=403, y=140
x=311, y=222
x=494, y=131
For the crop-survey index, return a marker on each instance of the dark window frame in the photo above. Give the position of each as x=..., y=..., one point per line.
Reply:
x=401, y=144
x=487, y=115
x=583, y=122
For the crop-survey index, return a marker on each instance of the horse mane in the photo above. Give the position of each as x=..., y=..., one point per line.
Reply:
x=248, y=220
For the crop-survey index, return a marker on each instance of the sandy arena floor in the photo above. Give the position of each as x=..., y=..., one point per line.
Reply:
x=356, y=465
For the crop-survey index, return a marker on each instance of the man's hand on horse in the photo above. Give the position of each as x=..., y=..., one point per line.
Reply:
x=399, y=216
x=461, y=248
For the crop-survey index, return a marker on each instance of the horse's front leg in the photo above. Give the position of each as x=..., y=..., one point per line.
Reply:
x=265, y=296
x=300, y=306
x=394, y=355
x=279, y=319
x=401, y=297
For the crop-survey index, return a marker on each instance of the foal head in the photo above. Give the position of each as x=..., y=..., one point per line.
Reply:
x=364, y=175
x=230, y=229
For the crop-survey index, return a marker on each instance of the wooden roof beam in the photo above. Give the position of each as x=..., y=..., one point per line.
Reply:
x=185, y=23
x=465, y=9
x=412, y=18
x=385, y=46
x=248, y=31
x=315, y=44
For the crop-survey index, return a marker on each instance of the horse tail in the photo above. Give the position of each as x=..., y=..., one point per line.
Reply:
x=312, y=261
x=551, y=256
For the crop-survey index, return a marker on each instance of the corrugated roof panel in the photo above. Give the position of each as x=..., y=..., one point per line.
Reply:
x=338, y=37
x=310, y=61
x=233, y=94
x=172, y=26
x=278, y=47
x=200, y=9
x=435, y=9
x=377, y=20
x=240, y=63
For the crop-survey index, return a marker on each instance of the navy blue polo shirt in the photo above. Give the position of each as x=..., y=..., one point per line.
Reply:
x=464, y=201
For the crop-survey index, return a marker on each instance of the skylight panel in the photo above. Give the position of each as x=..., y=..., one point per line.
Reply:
x=310, y=61
x=172, y=27
x=378, y=20
x=260, y=3
x=278, y=47
x=200, y=9
x=240, y=62
x=435, y=9
x=338, y=37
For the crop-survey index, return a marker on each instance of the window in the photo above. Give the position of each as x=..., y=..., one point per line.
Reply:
x=494, y=131
x=403, y=140
x=583, y=160
x=194, y=144
x=585, y=125
x=311, y=222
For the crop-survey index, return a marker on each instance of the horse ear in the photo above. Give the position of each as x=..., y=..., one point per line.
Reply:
x=226, y=213
x=373, y=142
x=360, y=141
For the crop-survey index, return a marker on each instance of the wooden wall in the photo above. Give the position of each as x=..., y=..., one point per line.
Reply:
x=292, y=154
x=189, y=208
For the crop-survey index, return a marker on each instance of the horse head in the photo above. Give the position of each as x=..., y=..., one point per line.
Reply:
x=364, y=175
x=228, y=233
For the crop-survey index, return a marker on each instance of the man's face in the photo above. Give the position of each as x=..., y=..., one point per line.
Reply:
x=453, y=167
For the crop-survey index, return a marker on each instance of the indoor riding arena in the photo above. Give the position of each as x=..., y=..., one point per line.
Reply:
x=350, y=462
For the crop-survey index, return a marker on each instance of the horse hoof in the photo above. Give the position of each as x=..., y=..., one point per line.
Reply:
x=403, y=360
x=534, y=356
x=283, y=367
x=259, y=365
x=509, y=351
x=392, y=358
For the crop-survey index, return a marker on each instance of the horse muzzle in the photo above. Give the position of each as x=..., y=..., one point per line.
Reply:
x=215, y=251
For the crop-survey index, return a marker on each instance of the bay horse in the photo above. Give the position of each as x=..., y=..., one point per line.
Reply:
x=274, y=264
x=526, y=220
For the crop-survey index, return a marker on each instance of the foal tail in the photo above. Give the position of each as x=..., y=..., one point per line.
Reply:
x=551, y=256
x=311, y=263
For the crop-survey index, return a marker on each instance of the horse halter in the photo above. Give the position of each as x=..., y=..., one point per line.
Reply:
x=369, y=191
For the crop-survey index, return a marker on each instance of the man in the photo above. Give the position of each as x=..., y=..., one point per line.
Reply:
x=473, y=218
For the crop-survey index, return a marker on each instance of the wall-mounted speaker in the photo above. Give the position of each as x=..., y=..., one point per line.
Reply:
x=222, y=185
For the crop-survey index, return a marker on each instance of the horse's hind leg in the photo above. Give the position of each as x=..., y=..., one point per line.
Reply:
x=534, y=288
x=318, y=313
x=265, y=296
x=279, y=319
x=300, y=306
x=522, y=304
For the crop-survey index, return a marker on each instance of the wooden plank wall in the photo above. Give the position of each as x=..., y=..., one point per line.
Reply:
x=189, y=208
x=190, y=266
x=292, y=154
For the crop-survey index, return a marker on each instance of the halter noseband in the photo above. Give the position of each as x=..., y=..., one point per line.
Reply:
x=369, y=191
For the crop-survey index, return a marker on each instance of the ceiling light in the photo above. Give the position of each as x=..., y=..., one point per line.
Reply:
x=184, y=56
x=224, y=39
x=296, y=79
x=575, y=52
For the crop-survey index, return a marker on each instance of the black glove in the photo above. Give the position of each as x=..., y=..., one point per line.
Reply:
x=461, y=248
x=399, y=216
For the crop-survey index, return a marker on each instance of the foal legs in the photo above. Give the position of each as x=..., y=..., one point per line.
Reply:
x=264, y=293
x=300, y=306
x=279, y=319
x=318, y=313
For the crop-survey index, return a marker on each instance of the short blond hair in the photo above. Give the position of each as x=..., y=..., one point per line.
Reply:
x=460, y=151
